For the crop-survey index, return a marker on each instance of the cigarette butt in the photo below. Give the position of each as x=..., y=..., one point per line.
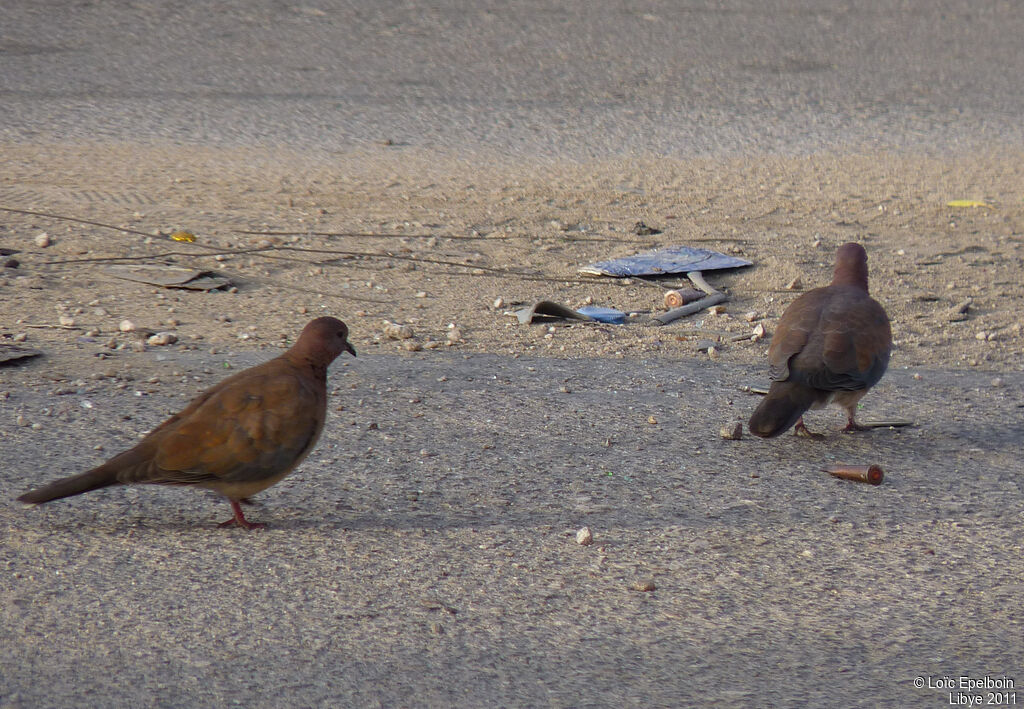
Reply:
x=870, y=474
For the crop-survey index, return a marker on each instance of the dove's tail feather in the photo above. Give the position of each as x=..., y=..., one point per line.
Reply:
x=94, y=479
x=783, y=406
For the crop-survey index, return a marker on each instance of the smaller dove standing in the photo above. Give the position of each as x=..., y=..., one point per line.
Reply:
x=237, y=438
x=831, y=345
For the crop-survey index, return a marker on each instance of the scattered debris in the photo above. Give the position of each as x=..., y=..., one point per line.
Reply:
x=162, y=338
x=11, y=353
x=732, y=431
x=546, y=310
x=605, y=315
x=641, y=229
x=871, y=474
x=898, y=423
x=394, y=331
x=170, y=276
x=679, y=298
x=674, y=259
x=185, y=236
x=968, y=203
x=713, y=297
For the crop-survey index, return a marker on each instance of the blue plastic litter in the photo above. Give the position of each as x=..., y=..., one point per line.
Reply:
x=605, y=315
x=673, y=259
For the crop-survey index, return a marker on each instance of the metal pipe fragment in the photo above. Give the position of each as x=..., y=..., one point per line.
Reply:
x=871, y=474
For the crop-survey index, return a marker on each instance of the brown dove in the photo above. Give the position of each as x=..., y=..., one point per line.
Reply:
x=831, y=345
x=238, y=437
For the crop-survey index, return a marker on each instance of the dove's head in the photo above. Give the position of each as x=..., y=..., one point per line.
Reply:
x=851, y=266
x=322, y=340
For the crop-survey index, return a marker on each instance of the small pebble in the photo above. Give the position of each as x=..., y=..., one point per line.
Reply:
x=43, y=240
x=126, y=326
x=162, y=338
x=651, y=420
x=20, y=337
x=498, y=303
x=750, y=316
x=732, y=431
x=584, y=537
x=395, y=331
x=455, y=335
x=997, y=382
x=644, y=585
x=412, y=346
x=66, y=320
x=795, y=284
x=12, y=263
x=717, y=309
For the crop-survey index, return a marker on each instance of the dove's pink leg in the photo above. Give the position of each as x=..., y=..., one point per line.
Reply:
x=240, y=519
x=801, y=430
x=852, y=425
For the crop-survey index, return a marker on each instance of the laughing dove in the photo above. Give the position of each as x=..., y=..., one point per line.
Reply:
x=831, y=345
x=237, y=438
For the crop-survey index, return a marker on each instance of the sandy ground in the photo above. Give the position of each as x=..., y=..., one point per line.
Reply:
x=425, y=553
x=414, y=238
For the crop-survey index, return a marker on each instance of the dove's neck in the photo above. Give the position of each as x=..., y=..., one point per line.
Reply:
x=309, y=362
x=851, y=275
